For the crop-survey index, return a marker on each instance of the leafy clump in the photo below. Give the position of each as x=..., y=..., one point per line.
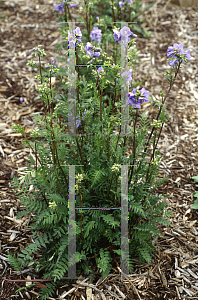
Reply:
x=84, y=163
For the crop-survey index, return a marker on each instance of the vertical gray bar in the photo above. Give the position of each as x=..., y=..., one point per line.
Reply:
x=124, y=88
x=124, y=221
x=71, y=80
x=71, y=229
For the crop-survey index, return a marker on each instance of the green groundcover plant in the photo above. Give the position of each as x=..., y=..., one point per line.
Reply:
x=97, y=151
x=195, y=194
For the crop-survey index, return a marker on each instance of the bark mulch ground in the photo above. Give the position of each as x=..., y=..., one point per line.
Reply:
x=173, y=272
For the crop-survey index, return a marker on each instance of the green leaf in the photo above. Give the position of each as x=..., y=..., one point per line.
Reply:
x=195, y=178
x=195, y=204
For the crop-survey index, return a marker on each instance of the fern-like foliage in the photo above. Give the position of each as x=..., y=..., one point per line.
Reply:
x=97, y=151
x=104, y=262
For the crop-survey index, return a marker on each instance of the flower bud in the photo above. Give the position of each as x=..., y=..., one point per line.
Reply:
x=52, y=205
x=115, y=168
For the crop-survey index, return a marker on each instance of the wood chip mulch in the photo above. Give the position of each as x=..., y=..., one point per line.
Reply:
x=173, y=272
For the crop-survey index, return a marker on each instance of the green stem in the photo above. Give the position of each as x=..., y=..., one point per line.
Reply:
x=108, y=147
x=79, y=149
x=36, y=155
x=152, y=156
x=69, y=13
x=101, y=109
x=163, y=101
x=116, y=53
x=114, y=20
x=40, y=69
x=87, y=20
x=113, y=163
x=65, y=12
x=80, y=214
x=134, y=148
x=116, y=194
x=125, y=139
x=41, y=83
x=61, y=167
x=51, y=92
x=99, y=8
x=55, y=158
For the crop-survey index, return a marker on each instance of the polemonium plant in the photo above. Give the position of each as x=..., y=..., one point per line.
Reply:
x=98, y=151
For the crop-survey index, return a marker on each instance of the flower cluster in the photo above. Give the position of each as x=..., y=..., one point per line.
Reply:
x=176, y=53
x=71, y=39
x=156, y=124
x=35, y=133
x=122, y=35
x=121, y=3
x=116, y=168
x=37, y=51
x=96, y=35
x=57, y=97
x=78, y=122
x=91, y=50
x=51, y=66
x=79, y=178
x=60, y=7
x=138, y=97
x=52, y=205
x=100, y=69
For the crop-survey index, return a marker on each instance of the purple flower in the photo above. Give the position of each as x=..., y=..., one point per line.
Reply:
x=88, y=46
x=121, y=36
x=57, y=97
x=96, y=35
x=100, y=69
x=175, y=53
x=59, y=7
x=116, y=35
x=71, y=39
x=52, y=63
x=125, y=31
x=90, y=51
x=96, y=54
x=176, y=49
x=138, y=97
x=187, y=54
x=121, y=3
x=21, y=99
x=36, y=48
x=72, y=5
x=84, y=114
x=78, y=122
x=78, y=34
